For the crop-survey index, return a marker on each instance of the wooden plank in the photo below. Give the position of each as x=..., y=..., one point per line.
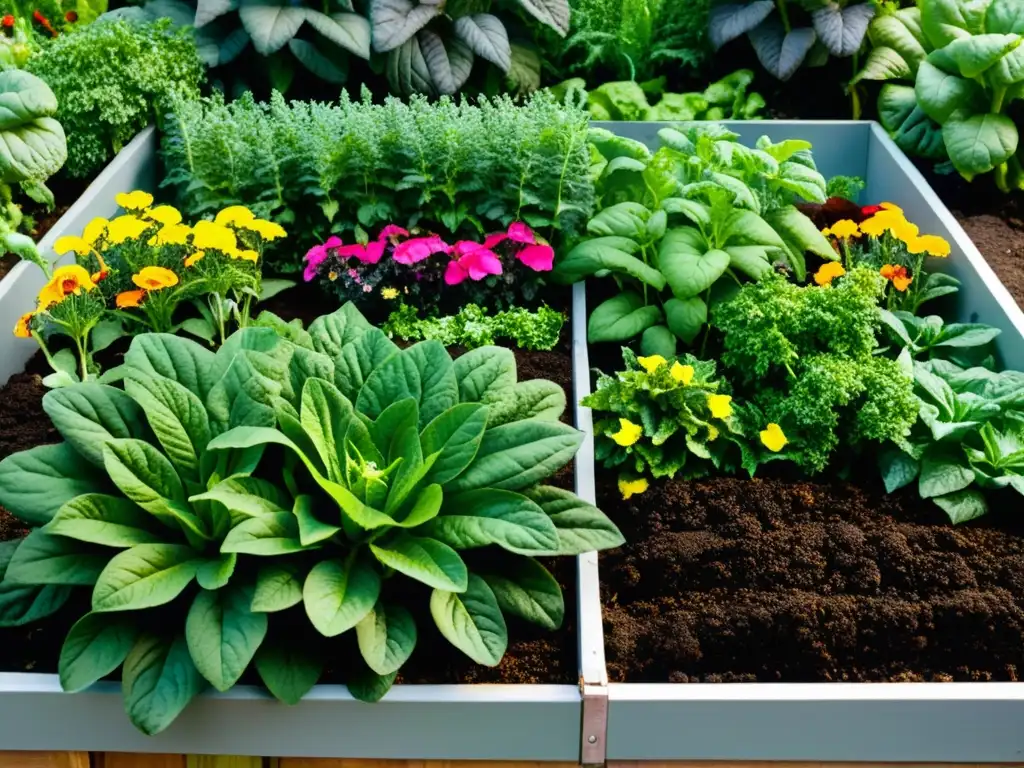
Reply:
x=132, y=760
x=44, y=760
x=223, y=761
x=331, y=762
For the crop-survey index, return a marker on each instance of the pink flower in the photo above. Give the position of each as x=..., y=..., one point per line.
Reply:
x=353, y=273
x=539, y=258
x=392, y=232
x=316, y=256
x=520, y=233
x=419, y=248
x=495, y=239
x=367, y=288
x=475, y=262
x=373, y=252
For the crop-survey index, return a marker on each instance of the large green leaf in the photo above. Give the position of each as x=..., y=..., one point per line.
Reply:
x=178, y=419
x=975, y=55
x=44, y=558
x=485, y=374
x=112, y=521
x=526, y=589
x=26, y=605
x=216, y=571
x=491, y=516
x=338, y=594
x=330, y=333
x=270, y=26
x=690, y=272
x=89, y=415
x=278, y=587
x=288, y=669
x=177, y=358
x=582, y=527
x=428, y=561
x=357, y=360
x=621, y=318
x=454, y=437
x=95, y=646
x=312, y=530
x=613, y=254
x=472, y=621
x=912, y=130
x=1005, y=17
x=387, y=637
x=223, y=634
x=145, y=576
x=941, y=94
x=627, y=219
x=350, y=31
x=244, y=395
x=686, y=317
x=36, y=483
x=325, y=416
x=518, y=455
x=266, y=535
x=159, y=680
x=944, y=21
x=980, y=143
x=963, y=505
x=424, y=372
x=534, y=399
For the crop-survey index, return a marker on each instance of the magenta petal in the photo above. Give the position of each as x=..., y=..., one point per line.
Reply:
x=539, y=258
x=480, y=264
x=346, y=251
x=454, y=273
x=391, y=231
x=495, y=239
x=315, y=255
x=373, y=252
x=309, y=272
x=520, y=233
x=419, y=248
x=333, y=242
x=466, y=247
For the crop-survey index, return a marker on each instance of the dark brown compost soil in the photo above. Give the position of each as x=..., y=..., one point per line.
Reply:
x=534, y=655
x=734, y=580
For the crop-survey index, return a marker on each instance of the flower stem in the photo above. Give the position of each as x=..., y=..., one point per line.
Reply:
x=83, y=356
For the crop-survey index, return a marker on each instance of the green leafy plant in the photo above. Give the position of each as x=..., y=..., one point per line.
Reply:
x=34, y=149
x=803, y=359
x=348, y=169
x=473, y=327
x=930, y=337
x=726, y=99
x=966, y=62
x=112, y=78
x=837, y=28
x=203, y=554
x=738, y=205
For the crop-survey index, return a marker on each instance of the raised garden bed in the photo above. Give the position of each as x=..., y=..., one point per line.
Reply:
x=774, y=619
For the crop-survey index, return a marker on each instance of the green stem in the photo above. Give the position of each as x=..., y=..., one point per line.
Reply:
x=45, y=349
x=997, y=100
x=999, y=175
x=83, y=357
x=784, y=13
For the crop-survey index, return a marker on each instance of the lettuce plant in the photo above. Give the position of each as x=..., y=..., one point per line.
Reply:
x=966, y=62
x=474, y=326
x=221, y=496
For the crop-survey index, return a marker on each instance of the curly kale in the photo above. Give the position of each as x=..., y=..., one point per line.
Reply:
x=473, y=327
x=111, y=79
x=804, y=357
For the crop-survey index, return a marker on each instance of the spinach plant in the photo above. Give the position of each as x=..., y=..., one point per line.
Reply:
x=205, y=557
x=930, y=338
x=966, y=61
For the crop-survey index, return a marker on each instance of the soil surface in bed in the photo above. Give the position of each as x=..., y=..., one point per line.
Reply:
x=534, y=655
x=733, y=580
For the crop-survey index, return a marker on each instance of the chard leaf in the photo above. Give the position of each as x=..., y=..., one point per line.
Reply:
x=690, y=272
x=621, y=318
x=215, y=572
x=582, y=527
x=159, y=680
x=177, y=418
x=607, y=253
x=453, y=438
x=485, y=374
x=267, y=535
x=942, y=473
x=472, y=621
x=842, y=29
x=223, y=634
x=359, y=359
x=338, y=594
x=44, y=558
x=145, y=576
x=898, y=469
x=288, y=669
x=278, y=587
x=90, y=415
x=100, y=519
x=912, y=130
x=95, y=646
x=534, y=399
x=326, y=416
x=490, y=516
x=424, y=372
x=528, y=590
x=396, y=21
x=311, y=529
x=781, y=52
x=486, y=37
x=330, y=333
x=963, y=505
x=426, y=560
x=176, y=358
x=270, y=26
x=36, y=483
x=387, y=637
x=686, y=317
x=728, y=21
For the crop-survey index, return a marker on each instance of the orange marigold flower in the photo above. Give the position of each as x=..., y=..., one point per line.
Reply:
x=127, y=299
x=933, y=245
x=828, y=272
x=898, y=275
x=902, y=283
x=23, y=328
x=72, y=279
x=197, y=256
x=155, y=278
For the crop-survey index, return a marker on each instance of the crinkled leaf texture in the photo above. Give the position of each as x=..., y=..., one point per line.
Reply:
x=32, y=143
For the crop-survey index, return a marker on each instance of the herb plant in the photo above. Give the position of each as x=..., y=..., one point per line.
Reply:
x=474, y=326
x=351, y=168
x=111, y=79
x=204, y=545
x=132, y=274
x=966, y=61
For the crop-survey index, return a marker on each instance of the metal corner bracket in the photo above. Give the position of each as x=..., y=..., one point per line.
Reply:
x=594, y=730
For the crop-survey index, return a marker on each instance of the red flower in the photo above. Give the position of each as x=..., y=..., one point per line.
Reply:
x=8, y=21
x=45, y=23
x=70, y=17
x=870, y=210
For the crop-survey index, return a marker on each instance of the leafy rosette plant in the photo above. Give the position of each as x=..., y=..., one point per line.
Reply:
x=122, y=507
x=407, y=459
x=195, y=548
x=966, y=61
x=399, y=262
x=133, y=272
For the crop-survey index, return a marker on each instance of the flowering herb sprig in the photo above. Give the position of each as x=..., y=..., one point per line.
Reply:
x=881, y=237
x=133, y=272
x=429, y=268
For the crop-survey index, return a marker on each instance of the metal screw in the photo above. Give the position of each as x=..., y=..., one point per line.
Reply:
x=591, y=739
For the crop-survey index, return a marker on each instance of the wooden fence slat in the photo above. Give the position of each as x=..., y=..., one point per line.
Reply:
x=132, y=760
x=44, y=760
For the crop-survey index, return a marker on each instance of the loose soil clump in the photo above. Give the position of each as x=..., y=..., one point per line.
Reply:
x=735, y=580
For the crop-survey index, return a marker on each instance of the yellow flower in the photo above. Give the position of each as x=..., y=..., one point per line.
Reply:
x=171, y=234
x=127, y=299
x=904, y=230
x=712, y=433
x=828, y=272
x=826, y=231
x=720, y=406
x=248, y=255
x=881, y=222
x=652, y=363
x=332, y=275
x=217, y=236
x=773, y=438
x=628, y=433
x=124, y=227
x=23, y=328
x=682, y=373
x=933, y=245
x=845, y=228
x=898, y=275
x=94, y=230
x=167, y=215
x=891, y=207
x=902, y=283
x=234, y=214
x=69, y=243
x=134, y=201
x=268, y=230
x=632, y=487
x=155, y=278
x=66, y=280
x=389, y=293
x=197, y=256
